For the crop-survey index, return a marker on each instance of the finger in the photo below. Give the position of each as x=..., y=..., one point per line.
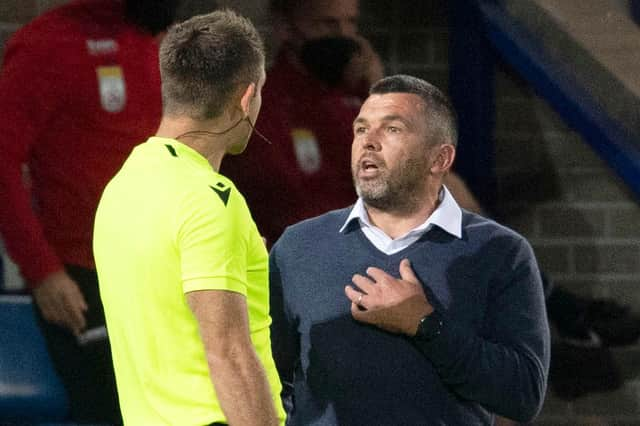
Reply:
x=77, y=298
x=75, y=306
x=363, y=283
x=378, y=275
x=56, y=314
x=77, y=318
x=406, y=272
x=49, y=314
x=54, y=307
x=354, y=295
x=69, y=320
x=82, y=302
x=360, y=314
x=363, y=43
x=55, y=310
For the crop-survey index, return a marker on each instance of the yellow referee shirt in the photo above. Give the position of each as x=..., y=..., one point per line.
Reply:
x=168, y=224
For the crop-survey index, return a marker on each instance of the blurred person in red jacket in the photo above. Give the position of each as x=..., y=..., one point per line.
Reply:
x=315, y=87
x=79, y=88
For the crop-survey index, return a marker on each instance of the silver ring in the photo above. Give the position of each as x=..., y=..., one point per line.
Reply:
x=359, y=299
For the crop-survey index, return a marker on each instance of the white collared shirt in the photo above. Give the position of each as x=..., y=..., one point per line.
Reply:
x=447, y=216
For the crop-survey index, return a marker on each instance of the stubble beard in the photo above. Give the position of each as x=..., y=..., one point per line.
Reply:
x=400, y=190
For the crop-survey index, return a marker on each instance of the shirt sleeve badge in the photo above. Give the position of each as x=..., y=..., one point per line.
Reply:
x=307, y=151
x=113, y=96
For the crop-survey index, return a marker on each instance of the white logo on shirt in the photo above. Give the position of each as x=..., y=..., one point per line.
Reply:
x=102, y=47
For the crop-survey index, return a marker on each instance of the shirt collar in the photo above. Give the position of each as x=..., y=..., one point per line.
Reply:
x=183, y=151
x=447, y=216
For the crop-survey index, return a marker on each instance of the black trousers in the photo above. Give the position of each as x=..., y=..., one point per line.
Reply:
x=86, y=370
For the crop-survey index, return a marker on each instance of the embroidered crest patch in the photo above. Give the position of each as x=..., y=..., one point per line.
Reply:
x=113, y=93
x=307, y=151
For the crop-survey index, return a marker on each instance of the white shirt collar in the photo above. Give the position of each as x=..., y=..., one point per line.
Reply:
x=447, y=216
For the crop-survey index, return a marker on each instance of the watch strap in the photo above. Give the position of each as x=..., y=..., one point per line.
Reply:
x=430, y=327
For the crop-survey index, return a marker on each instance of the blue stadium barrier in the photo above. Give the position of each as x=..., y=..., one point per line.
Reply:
x=30, y=390
x=634, y=5
x=554, y=82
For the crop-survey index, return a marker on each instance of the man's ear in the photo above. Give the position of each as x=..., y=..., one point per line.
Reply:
x=247, y=96
x=444, y=157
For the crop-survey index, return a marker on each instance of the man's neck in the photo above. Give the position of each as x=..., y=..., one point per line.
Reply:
x=396, y=223
x=212, y=147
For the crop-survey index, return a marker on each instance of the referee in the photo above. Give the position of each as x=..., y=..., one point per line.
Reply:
x=182, y=269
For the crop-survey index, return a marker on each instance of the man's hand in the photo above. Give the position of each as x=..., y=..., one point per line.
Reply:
x=61, y=302
x=394, y=305
x=364, y=68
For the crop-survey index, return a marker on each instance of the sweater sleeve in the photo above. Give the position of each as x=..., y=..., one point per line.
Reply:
x=28, y=100
x=285, y=342
x=504, y=369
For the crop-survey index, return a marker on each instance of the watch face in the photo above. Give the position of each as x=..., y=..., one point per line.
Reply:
x=430, y=327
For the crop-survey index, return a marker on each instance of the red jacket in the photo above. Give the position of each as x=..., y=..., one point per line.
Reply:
x=306, y=171
x=79, y=88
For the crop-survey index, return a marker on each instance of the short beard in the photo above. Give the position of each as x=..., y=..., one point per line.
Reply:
x=400, y=192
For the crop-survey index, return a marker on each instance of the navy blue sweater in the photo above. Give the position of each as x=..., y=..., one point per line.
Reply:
x=492, y=357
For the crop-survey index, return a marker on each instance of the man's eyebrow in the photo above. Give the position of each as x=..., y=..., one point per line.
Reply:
x=359, y=120
x=385, y=119
x=397, y=117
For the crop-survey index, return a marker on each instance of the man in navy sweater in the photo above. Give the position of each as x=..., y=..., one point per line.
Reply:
x=405, y=309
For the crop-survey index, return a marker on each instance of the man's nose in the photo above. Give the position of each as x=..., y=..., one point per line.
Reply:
x=343, y=28
x=371, y=141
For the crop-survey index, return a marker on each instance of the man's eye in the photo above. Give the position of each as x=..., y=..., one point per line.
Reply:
x=359, y=130
x=393, y=129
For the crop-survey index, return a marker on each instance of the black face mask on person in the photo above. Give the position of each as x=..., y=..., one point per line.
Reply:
x=327, y=57
x=153, y=16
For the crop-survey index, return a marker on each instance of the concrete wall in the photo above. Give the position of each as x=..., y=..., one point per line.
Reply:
x=581, y=220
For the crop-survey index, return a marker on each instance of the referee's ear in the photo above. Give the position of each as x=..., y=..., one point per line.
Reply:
x=247, y=96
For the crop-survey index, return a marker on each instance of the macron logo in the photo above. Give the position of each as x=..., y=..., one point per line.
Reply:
x=222, y=192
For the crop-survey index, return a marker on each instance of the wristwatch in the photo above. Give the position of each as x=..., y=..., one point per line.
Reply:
x=429, y=327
